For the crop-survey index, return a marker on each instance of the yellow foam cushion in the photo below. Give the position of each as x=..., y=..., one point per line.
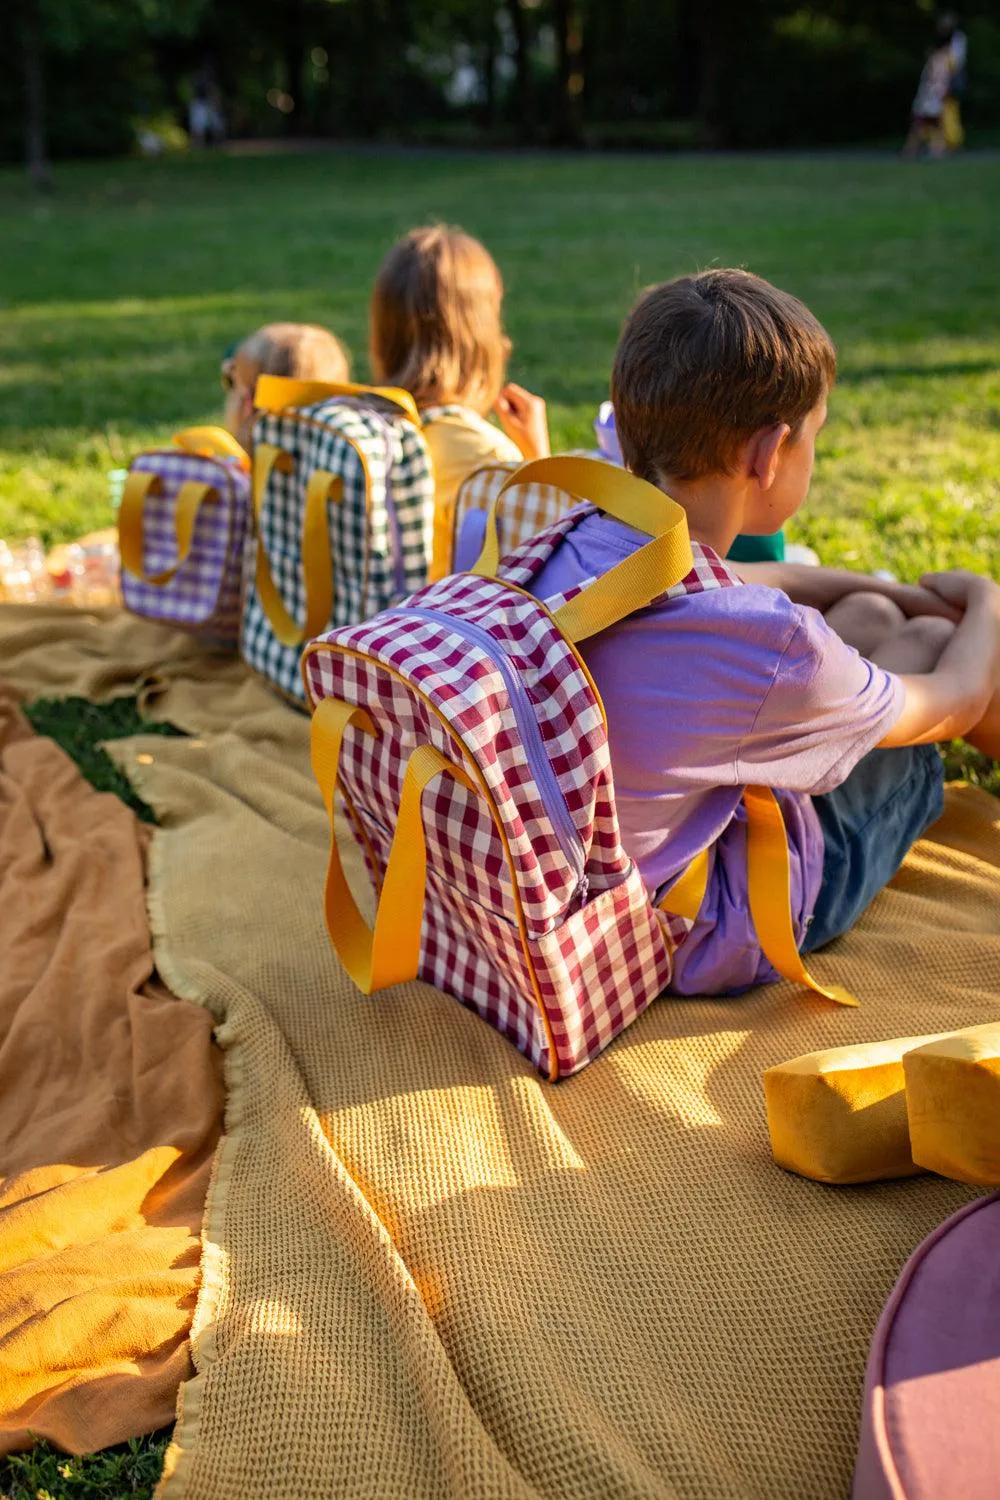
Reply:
x=840, y=1115
x=953, y=1103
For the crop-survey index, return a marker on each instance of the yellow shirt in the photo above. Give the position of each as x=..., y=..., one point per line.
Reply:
x=459, y=441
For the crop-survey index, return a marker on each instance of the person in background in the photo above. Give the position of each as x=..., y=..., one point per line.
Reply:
x=437, y=331
x=206, y=126
x=927, y=116
x=300, y=350
x=958, y=43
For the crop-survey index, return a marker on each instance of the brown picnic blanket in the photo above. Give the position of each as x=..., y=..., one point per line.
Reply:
x=110, y=1109
x=427, y=1273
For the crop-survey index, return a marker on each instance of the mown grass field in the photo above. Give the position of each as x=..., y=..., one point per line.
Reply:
x=120, y=294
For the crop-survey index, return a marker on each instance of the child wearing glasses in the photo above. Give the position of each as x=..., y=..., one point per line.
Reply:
x=299, y=350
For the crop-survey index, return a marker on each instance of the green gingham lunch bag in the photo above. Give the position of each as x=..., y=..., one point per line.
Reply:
x=343, y=509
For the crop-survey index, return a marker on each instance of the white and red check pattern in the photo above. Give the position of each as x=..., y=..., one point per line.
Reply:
x=205, y=594
x=564, y=925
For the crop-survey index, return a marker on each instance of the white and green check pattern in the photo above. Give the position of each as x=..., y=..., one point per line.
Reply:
x=380, y=540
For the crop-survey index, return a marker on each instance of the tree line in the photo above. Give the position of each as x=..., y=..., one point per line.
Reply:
x=77, y=75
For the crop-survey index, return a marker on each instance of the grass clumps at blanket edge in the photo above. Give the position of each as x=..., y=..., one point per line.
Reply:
x=129, y=1469
x=80, y=727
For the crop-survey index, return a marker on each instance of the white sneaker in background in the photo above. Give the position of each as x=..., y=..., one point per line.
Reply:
x=795, y=552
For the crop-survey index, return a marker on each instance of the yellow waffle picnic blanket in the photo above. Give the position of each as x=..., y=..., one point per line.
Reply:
x=427, y=1273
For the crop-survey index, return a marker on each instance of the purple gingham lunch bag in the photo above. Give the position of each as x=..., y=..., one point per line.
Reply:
x=183, y=530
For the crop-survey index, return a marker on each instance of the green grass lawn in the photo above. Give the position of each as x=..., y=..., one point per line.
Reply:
x=121, y=292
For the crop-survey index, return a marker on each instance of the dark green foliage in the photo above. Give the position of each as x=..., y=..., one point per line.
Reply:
x=80, y=727
x=128, y=1471
x=964, y=764
x=570, y=72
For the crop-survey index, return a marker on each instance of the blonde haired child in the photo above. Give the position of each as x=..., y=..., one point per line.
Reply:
x=300, y=350
x=436, y=330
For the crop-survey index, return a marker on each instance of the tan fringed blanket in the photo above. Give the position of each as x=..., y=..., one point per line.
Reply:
x=110, y=1108
x=430, y=1274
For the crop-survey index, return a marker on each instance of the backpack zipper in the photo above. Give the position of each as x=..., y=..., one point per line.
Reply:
x=539, y=764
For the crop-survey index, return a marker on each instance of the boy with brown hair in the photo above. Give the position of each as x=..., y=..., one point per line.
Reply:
x=719, y=388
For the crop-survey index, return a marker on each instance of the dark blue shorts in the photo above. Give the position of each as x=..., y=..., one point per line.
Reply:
x=869, y=824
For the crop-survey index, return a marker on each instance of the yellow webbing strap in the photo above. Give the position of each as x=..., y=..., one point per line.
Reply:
x=317, y=565
x=212, y=442
x=391, y=953
x=443, y=543
x=685, y=896
x=769, y=887
x=190, y=498
x=280, y=392
x=631, y=584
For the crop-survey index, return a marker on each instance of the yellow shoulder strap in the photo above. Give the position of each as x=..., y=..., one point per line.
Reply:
x=631, y=584
x=212, y=442
x=317, y=564
x=279, y=393
x=190, y=498
x=389, y=954
x=769, y=889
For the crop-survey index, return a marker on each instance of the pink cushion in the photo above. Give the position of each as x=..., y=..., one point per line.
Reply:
x=930, y=1428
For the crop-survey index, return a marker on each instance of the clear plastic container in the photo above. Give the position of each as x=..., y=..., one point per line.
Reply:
x=99, y=577
x=24, y=576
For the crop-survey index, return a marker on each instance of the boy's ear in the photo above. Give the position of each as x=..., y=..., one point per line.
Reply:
x=763, y=451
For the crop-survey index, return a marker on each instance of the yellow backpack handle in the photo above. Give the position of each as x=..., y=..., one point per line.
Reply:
x=317, y=562
x=275, y=393
x=190, y=498
x=389, y=954
x=212, y=442
x=629, y=585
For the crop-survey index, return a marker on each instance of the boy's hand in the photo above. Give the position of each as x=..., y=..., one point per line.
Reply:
x=523, y=418
x=958, y=588
x=920, y=599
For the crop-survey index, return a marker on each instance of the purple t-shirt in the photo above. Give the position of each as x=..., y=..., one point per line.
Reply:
x=704, y=694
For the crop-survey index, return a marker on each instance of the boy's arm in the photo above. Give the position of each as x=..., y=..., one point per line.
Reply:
x=953, y=698
x=823, y=587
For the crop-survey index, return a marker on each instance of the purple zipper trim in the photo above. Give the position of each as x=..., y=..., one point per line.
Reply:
x=539, y=764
